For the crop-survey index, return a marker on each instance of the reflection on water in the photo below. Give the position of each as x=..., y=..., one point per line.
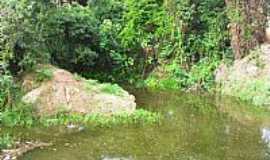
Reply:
x=193, y=128
x=106, y=157
x=266, y=140
x=266, y=135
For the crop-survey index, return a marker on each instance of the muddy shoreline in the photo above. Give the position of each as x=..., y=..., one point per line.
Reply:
x=20, y=149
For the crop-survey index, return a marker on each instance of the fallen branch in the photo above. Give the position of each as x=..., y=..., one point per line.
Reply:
x=21, y=149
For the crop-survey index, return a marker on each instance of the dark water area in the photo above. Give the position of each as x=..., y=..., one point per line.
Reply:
x=193, y=127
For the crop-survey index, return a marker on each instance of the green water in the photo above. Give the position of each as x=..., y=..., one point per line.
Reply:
x=194, y=127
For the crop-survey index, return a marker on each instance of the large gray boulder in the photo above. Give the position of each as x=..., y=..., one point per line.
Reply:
x=65, y=92
x=247, y=78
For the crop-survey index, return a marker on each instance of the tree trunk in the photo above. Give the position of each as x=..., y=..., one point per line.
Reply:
x=247, y=27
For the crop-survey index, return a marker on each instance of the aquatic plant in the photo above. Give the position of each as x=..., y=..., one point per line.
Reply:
x=22, y=115
x=140, y=116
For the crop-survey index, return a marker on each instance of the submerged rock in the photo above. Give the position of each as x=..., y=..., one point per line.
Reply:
x=64, y=92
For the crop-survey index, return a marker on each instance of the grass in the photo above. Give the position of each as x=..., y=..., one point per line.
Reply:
x=77, y=77
x=174, y=77
x=113, y=89
x=44, y=74
x=19, y=115
x=91, y=85
x=255, y=91
x=138, y=117
x=249, y=84
x=23, y=116
x=163, y=84
x=6, y=141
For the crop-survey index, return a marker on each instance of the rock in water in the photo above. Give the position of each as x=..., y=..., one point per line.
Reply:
x=247, y=78
x=64, y=92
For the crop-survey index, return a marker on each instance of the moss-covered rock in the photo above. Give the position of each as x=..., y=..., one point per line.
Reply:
x=52, y=90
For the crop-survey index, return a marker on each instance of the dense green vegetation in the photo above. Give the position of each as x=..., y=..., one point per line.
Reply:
x=169, y=44
x=25, y=118
x=117, y=40
x=157, y=44
x=6, y=141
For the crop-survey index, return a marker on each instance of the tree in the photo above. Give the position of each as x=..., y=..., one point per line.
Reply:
x=247, y=24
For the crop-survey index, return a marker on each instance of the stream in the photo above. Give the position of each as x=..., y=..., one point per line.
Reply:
x=193, y=127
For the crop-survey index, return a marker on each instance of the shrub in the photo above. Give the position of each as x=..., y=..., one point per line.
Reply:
x=19, y=115
x=201, y=76
x=6, y=141
x=115, y=40
x=71, y=36
x=7, y=91
x=21, y=41
x=255, y=91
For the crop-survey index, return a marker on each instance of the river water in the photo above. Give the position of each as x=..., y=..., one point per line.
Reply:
x=194, y=127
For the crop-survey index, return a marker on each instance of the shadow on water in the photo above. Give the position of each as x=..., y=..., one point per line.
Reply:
x=194, y=127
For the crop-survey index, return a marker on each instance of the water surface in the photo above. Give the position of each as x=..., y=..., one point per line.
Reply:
x=194, y=127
